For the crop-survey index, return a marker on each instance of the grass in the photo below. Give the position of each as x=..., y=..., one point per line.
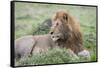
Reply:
x=28, y=17
x=54, y=56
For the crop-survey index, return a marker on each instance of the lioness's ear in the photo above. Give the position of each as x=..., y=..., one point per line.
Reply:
x=51, y=32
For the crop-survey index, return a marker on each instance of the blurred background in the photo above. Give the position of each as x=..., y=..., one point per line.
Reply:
x=30, y=19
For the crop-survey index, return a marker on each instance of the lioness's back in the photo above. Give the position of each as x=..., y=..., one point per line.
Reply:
x=23, y=46
x=35, y=44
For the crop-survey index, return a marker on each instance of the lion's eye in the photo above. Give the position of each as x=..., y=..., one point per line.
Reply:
x=65, y=17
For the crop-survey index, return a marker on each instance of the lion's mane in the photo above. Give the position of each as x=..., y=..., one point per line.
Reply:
x=63, y=22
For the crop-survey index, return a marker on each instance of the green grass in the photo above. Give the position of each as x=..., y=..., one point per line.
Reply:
x=54, y=56
x=28, y=17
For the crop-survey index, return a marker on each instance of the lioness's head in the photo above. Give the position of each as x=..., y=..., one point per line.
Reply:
x=56, y=37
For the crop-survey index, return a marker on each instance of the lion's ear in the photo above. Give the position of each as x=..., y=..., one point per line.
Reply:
x=70, y=19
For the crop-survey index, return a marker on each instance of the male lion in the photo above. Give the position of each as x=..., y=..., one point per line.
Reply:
x=69, y=29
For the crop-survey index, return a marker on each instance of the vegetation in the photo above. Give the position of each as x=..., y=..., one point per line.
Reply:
x=54, y=56
x=30, y=16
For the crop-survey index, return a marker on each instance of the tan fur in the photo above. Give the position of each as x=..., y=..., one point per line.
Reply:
x=28, y=45
x=69, y=27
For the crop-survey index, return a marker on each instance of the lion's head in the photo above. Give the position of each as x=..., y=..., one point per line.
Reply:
x=68, y=29
x=62, y=23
